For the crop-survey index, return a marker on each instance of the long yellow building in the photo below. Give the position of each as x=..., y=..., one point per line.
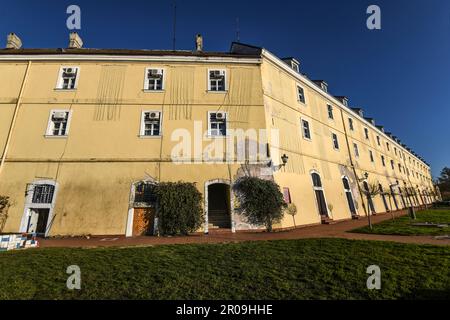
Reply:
x=83, y=132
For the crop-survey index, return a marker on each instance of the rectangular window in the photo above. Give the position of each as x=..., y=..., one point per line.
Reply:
x=301, y=94
x=355, y=148
x=371, y=156
x=287, y=195
x=216, y=80
x=68, y=78
x=154, y=79
x=395, y=151
x=400, y=168
x=43, y=193
x=58, y=124
x=330, y=112
x=151, y=124
x=383, y=161
x=366, y=133
x=387, y=146
x=378, y=140
x=306, y=130
x=217, y=125
x=350, y=124
x=335, y=141
x=392, y=164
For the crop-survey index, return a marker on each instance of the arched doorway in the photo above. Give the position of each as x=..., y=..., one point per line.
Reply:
x=349, y=196
x=369, y=198
x=218, y=205
x=320, y=196
x=383, y=196
x=393, y=196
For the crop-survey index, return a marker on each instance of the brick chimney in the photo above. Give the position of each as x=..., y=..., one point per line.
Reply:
x=75, y=41
x=13, y=41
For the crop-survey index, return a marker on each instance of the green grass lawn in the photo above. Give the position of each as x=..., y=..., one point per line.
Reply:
x=402, y=226
x=294, y=269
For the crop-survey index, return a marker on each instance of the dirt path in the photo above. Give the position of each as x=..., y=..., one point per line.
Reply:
x=338, y=230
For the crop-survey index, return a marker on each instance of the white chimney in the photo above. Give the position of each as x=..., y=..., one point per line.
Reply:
x=13, y=41
x=75, y=41
x=199, y=42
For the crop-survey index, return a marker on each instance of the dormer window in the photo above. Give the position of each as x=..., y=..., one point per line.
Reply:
x=293, y=63
x=154, y=79
x=68, y=78
x=216, y=80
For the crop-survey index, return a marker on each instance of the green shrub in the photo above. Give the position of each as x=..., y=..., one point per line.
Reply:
x=4, y=205
x=179, y=208
x=261, y=201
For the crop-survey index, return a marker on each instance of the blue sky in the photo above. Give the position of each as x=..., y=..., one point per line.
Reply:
x=400, y=74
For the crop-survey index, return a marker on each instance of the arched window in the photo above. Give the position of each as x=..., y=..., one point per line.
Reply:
x=317, y=182
x=349, y=196
x=346, y=184
x=320, y=195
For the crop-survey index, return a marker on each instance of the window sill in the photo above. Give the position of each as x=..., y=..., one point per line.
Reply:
x=307, y=139
x=210, y=136
x=154, y=91
x=68, y=90
x=47, y=136
x=150, y=137
x=217, y=91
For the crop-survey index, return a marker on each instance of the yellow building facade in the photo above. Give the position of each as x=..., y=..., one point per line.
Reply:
x=83, y=131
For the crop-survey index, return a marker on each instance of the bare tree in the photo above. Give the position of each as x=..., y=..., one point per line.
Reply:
x=371, y=192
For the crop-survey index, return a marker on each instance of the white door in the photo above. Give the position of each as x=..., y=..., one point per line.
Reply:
x=33, y=221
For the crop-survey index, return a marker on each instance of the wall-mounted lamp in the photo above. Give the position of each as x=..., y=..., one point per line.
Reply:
x=365, y=177
x=285, y=159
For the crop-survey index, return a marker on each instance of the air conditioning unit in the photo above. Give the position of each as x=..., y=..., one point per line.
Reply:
x=219, y=73
x=59, y=115
x=220, y=116
x=70, y=71
x=155, y=72
x=152, y=116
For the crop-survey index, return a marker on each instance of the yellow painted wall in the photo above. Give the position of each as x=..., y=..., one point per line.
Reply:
x=103, y=153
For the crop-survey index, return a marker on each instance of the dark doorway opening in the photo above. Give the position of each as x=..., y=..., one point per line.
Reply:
x=219, y=206
x=37, y=221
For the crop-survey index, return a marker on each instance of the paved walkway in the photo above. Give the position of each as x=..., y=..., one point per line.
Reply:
x=338, y=230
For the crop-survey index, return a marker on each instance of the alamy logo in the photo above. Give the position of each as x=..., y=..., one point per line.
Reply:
x=374, y=20
x=74, y=280
x=74, y=20
x=374, y=281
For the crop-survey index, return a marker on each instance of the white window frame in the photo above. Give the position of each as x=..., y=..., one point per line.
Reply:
x=225, y=86
x=303, y=129
x=330, y=108
x=333, y=135
x=49, y=130
x=142, y=126
x=146, y=79
x=298, y=95
x=366, y=133
x=351, y=124
x=59, y=81
x=210, y=135
x=356, y=150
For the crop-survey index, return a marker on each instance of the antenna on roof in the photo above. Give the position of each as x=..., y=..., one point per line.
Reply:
x=237, y=30
x=174, y=24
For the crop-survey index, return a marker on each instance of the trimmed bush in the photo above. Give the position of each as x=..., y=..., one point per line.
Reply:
x=179, y=208
x=261, y=201
x=4, y=205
